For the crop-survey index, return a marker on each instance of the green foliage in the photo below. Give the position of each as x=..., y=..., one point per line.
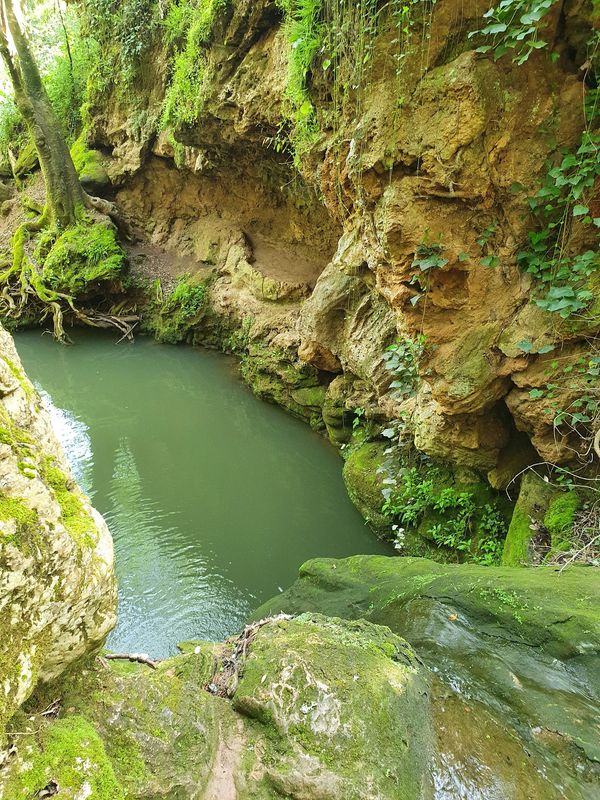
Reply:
x=514, y=25
x=66, y=83
x=180, y=311
x=561, y=205
x=305, y=32
x=402, y=360
x=451, y=516
x=81, y=257
x=189, y=26
x=125, y=29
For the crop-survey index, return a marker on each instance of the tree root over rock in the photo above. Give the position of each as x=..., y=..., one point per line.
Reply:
x=23, y=283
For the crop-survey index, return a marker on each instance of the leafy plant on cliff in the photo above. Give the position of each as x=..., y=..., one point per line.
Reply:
x=189, y=25
x=514, y=26
x=451, y=516
x=125, y=30
x=402, y=360
x=331, y=43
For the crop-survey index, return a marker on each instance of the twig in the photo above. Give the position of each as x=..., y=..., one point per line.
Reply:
x=139, y=658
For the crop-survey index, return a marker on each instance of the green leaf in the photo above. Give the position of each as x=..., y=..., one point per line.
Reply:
x=579, y=210
x=497, y=27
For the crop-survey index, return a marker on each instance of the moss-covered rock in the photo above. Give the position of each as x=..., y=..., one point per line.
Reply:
x=82, y=259
x=89, y=165
x=312, y=709
x=525, y=643
x=174, y=318
x=364, y=482
x=542, y=520
x=57, y=590
x=347, y=700
x=279, y=377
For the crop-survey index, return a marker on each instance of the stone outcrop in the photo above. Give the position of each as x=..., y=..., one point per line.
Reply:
x=57, y=586
x=524, y=643
x=318, y=261
x=310, y=708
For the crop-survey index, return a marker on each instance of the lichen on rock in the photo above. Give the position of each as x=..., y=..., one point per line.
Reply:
x=57, y=588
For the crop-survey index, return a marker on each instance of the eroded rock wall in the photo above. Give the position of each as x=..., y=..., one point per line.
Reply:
x=57, y=586
x=320, y=258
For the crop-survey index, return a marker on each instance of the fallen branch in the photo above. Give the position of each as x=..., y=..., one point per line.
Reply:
x=139, y=658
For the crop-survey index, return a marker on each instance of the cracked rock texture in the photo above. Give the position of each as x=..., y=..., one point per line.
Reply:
x=57, y=586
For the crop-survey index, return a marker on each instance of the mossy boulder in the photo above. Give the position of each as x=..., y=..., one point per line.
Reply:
x=311, y=708
x=276, y=375
x=57, y=588
x=82, y=259
x=524, y=643
x=364, y=482
x=90, y=167
x=542, y=521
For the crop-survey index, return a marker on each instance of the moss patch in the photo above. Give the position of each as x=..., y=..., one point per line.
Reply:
x=70, y=754
x=88, y=164
x=82, y=258
x=172, y=319
x=364, y=482
x=74, y=516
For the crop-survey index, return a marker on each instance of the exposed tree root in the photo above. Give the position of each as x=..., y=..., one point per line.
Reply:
x=23, y=283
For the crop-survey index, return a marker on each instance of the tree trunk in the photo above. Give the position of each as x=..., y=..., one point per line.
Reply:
x=65, y=198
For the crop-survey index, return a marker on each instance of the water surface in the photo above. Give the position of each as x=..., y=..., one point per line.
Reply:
x=213, y=497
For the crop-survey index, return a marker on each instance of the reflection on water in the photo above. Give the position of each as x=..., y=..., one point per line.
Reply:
x=213, y=497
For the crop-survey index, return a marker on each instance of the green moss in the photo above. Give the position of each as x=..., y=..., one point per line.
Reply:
x=278, y=377
x=25, y=523
x=534, y=498
x=88, y=164
x=172, y=319
x=189, y=25
x=74, y=516
x=516, y=545
x=559, y=518
x=20, y=376
x=364, y=482
x=81, y=258
x=27, y=159
x=70, y=753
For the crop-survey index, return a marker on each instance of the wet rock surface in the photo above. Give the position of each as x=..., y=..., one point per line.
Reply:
x=57, y=586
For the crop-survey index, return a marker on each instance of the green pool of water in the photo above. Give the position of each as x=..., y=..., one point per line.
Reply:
x=213, y=497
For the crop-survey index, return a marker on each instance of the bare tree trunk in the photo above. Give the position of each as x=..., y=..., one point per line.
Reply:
x=65, y=197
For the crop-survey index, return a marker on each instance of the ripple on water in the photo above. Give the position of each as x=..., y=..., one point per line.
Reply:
x=213, y=497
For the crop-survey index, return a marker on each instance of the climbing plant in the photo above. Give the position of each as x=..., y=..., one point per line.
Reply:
x=514, y=27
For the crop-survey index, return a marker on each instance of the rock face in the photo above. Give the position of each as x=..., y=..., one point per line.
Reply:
x=320, y=260
x=57, y=587
x=522, y=644
x=310, y=708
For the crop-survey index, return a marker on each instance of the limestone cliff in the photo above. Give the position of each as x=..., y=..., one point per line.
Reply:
x=323, y=258
x=57, y=586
